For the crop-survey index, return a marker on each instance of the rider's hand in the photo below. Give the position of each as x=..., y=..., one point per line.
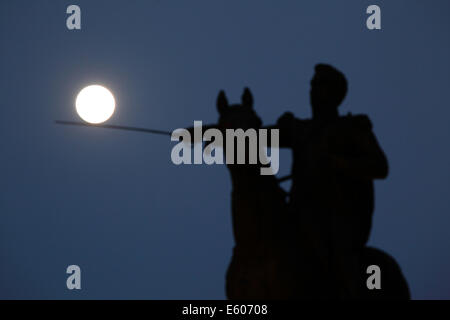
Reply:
x=286, y=120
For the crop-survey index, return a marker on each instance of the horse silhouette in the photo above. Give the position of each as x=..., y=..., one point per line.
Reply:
x=260, y=267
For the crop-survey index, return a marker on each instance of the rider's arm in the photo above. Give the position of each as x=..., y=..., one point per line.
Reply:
x=371, y=163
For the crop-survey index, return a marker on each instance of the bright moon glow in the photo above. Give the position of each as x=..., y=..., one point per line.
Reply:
x=95, y=104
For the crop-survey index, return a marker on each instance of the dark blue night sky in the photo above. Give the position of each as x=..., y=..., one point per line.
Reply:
x=113, y=203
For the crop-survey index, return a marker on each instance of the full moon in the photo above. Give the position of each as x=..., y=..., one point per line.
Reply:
x=95, y=104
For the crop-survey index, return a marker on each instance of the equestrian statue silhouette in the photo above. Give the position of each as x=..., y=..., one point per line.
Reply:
x=312, y=242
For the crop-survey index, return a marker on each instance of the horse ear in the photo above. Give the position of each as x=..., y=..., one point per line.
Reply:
x=222, y=102
x=247, y=98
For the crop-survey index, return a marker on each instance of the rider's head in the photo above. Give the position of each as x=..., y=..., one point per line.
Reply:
x=328, y=89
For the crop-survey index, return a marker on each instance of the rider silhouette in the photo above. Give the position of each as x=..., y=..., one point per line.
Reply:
x=336, y=159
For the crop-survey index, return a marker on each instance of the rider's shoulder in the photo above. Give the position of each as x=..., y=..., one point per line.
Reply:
x=357, y=121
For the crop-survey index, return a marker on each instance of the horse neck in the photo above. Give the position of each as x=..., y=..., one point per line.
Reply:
x=244, y=177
